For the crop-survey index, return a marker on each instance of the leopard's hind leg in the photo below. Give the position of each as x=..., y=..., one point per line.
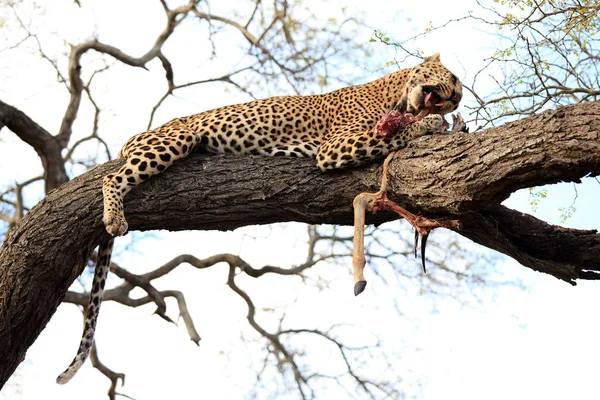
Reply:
x=148, y=153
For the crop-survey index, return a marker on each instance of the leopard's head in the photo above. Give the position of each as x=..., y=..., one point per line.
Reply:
x=430, y=89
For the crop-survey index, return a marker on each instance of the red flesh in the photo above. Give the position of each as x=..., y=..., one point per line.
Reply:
x=392, y=122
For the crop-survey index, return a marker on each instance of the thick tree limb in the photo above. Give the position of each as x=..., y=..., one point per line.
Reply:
x=46, y=146
x=462, y=177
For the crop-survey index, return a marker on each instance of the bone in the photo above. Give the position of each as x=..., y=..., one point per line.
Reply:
x=422, y=114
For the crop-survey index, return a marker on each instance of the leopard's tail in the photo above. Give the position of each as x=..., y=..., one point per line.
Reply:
x=93, y=309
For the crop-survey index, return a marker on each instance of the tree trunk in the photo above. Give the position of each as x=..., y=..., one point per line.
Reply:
x=462, y=176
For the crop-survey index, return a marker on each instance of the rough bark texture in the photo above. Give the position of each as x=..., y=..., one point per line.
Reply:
x=47, y=146
x=463, y=176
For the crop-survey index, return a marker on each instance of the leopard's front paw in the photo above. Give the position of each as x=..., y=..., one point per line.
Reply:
x=432, y=123
x=115, y=224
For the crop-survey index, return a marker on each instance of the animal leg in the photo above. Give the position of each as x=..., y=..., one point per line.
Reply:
x=147, y=154
x=377, y=201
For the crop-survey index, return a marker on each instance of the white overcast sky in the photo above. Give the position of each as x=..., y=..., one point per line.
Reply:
x=537, y=343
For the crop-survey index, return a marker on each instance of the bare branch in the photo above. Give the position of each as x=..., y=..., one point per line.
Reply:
x=113, y=376
x=279, y=350
x=46, y=145
x=76, y=83
x=172, y=88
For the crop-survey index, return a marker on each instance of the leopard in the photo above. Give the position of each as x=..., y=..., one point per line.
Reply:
x=335, y=128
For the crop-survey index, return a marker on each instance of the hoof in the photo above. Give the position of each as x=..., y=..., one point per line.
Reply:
x=423, y=247
x=359, y=287
x=416, y=242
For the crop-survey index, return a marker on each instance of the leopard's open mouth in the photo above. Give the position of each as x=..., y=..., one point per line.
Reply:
x=432, y=102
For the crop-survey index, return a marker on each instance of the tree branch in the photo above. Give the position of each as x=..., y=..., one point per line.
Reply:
x=110, y=374
x=76, y=84
x=463, y=177
x=122, y=293
x=46, y=146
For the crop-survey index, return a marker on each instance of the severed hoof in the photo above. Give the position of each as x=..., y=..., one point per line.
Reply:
x=423, y=247
x=416, y=242
x=359, y=287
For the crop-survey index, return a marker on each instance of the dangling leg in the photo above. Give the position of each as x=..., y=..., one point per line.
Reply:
x=147, y=154
x=377, y=201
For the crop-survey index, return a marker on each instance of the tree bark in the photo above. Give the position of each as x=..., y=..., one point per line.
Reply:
x=46, y=146
x=461, y=176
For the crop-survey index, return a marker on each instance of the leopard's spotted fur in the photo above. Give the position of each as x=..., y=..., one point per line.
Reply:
x=336, y=128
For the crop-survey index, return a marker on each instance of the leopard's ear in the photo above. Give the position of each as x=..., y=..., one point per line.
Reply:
x=435, y=58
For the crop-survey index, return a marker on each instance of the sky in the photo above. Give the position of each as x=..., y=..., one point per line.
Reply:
x=520, y=344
